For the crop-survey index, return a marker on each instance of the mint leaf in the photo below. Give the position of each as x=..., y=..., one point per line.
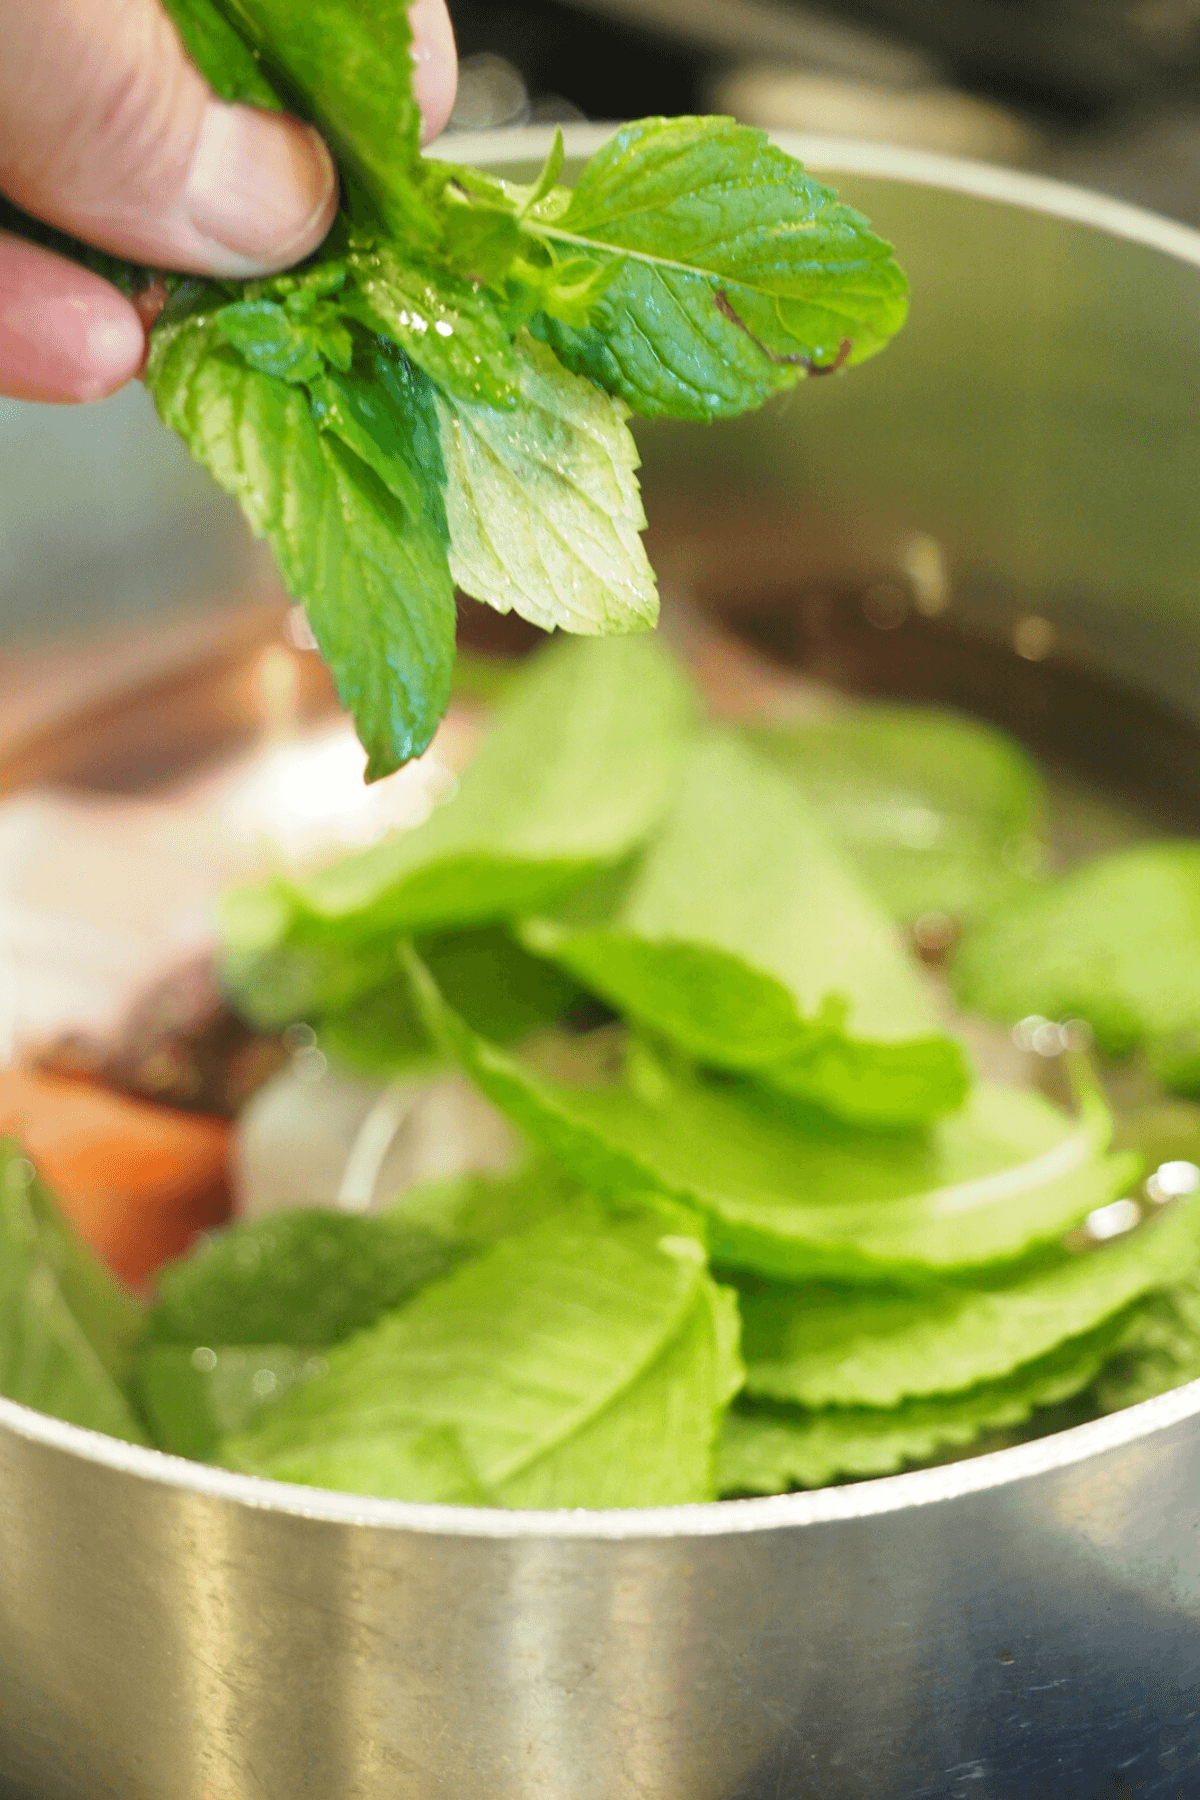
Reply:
x=224, y=59
x=584, y=1363
x=347, y=64
x=936, y=812
x=769, y=1451
x=382, y=610
x=547, y=179
x=499, y=989
x=192, y=1398
x=582, y=759
x=744, y=938
x=306, y=1277
x=110, y=1318
x=1116, y=942
x=447, y=326
x=796, y=1196
x=543, y=505
x=474, y=1211
x=67, y=1332
x=481, y=236
x=275, y=343
x=739, y=272
x=1161, y=1352
x=421, y=1463
x=382, y=409
x=820, y=1347
x=373, y=577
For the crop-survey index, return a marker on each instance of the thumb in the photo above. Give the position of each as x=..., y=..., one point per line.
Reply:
x=108, y=131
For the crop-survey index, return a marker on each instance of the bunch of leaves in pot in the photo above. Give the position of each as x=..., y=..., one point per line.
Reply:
x=893, y=1231
x=440, y=395
x=770, y=1142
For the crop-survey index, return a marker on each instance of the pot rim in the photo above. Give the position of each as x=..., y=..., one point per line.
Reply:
x=861, y=1500
x=710, y=1518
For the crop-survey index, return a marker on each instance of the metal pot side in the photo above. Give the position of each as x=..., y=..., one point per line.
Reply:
x=1019, y=1626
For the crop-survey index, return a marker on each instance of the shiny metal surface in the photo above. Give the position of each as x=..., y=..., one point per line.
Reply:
x=1018, y=1627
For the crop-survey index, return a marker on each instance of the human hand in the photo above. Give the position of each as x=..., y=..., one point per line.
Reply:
x=110, y=133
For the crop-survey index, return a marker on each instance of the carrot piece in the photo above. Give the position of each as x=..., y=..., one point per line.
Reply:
x=138, y=1181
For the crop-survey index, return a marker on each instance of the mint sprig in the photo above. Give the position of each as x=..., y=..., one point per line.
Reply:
x=693, y=272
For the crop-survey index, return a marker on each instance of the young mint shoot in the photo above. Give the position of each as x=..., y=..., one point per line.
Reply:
x=440, y=395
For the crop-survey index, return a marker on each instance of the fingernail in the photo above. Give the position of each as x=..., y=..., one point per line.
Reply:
x=261, y=185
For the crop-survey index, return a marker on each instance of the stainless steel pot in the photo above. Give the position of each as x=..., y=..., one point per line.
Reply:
x=1020, y=1626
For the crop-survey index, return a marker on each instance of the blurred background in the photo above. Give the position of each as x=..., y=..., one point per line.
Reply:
x=1105, y=92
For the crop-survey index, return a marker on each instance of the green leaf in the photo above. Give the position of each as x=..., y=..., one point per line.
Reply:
x=225, y=60
x=109, y=1317
x=820, y=1347
x=1162, y=1350
x=1116, y=942
x=769, y=1451
x=416, y=1463
x=381, y=607
x=472, y=1211
x=192, y=1398
x=374, y=578
x=195, y=1399
x=275, y=343
x=347, y=64
x=383, y=411
x=482, y=677
x=499, y=989
x=480, y=238
x=543, y=503
x=447, y=327
x=739, y=271
x=582, y=760
x=551, y=170
x=935, y=812
x=305, y=1277
x=798, y=1197
x=743, y=937
x=584, y=1363
x=67, y=1332
x=486, y=239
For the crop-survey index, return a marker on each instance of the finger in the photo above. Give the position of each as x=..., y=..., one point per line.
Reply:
x=435, y=60
x=65, y=334
x=108, y=131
